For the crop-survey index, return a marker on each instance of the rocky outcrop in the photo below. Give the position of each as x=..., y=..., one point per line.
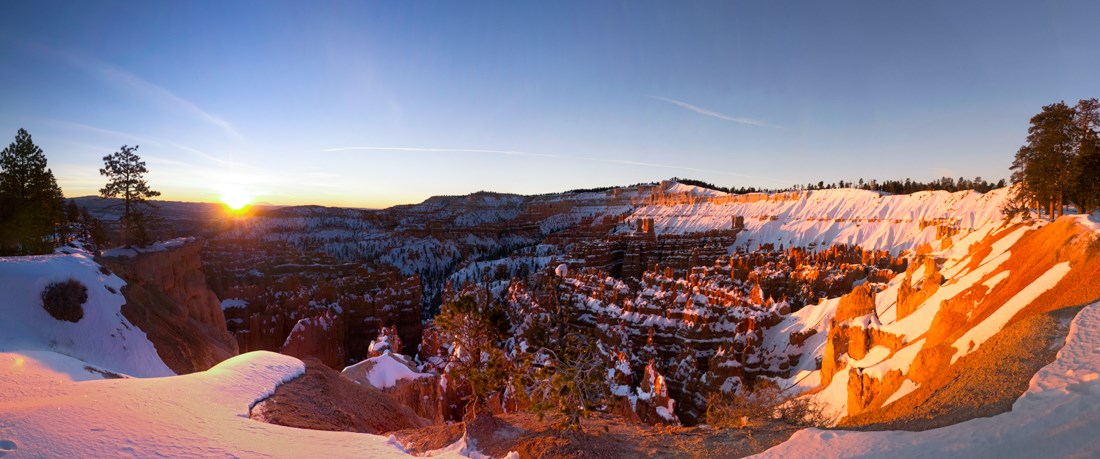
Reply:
x=167, y=297
x=323, y=400
x=313, y=337
x=393, y=375
x=867, y=391
x=858, y=303
x=855, y=341
x=909, y=297
x=649, y=403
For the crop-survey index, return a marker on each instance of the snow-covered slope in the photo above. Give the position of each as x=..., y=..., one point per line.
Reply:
x=844, y=216
x=203, y=414
x=1056, y=417
x=383, y=371
x=103, y=337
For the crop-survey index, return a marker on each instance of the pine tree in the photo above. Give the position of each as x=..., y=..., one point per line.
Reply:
x=125, y=172
x=1086, y=162
x=476, y=358
x=30, y=200
x=1042, y=166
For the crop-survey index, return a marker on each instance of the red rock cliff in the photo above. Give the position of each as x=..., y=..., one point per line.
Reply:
x=167, y=297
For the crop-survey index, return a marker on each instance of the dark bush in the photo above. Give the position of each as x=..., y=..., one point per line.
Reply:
x=65, y=300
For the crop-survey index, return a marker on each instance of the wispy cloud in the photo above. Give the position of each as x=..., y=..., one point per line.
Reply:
x=142, y=140
x=441, y=150
x=114, y=75
x=708, y=112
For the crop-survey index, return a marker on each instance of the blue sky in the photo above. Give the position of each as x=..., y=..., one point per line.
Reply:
x=371, y=104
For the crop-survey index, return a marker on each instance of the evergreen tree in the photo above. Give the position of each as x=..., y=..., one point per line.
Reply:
x=125, y=172
x=30, y=200
x=1086, y=162
x=1042, y=166
x=476, y=358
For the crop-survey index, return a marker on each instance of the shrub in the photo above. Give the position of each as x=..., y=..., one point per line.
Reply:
x=764, y=402
x=65, y=300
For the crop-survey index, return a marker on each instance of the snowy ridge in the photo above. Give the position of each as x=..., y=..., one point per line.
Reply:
x=1056, y=417
x=103, y=337
x=203, y=414
x=825, y=217
x=159, y=246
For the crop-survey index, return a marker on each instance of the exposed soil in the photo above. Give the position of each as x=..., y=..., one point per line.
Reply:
x=984, y=383
x=603, y=436
x=321, y=399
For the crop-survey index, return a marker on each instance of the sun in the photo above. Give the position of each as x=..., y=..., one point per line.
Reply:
x=236, y=200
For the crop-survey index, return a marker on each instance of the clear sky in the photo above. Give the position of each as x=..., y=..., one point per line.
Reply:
x=370, y=104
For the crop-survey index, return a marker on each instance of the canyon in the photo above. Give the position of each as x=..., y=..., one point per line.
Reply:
x=865, y=302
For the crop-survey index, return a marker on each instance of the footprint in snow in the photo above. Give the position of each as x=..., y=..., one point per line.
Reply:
x=7, y=446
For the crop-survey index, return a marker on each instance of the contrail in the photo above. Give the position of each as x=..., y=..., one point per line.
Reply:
x=713, y=113
x=444, y=150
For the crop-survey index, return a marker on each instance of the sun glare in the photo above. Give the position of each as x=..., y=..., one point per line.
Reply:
x=236, y=200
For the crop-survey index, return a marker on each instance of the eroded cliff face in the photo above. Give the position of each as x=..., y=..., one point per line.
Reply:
x=900, y=357
x=167, y=297
x=278, y=298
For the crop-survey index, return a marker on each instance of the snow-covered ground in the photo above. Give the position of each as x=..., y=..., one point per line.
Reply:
x=45, y=412
x=201, y=414
x=160, y=246
x=843, y=216
x=64, y=389
x=382, y=372
x=1057, y=417
x=103, y=337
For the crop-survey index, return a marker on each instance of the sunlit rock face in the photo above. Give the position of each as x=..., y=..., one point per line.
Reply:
x=168, y=298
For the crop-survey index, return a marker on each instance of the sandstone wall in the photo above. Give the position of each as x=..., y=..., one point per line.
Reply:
x=167, y=298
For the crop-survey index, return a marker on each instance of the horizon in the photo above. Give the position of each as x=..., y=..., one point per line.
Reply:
x=371, y=105
x=680, y=180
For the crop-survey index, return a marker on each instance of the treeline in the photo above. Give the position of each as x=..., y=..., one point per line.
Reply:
x=31, y=203
x=35, y=218
x=906, y=186
x=1060, y=163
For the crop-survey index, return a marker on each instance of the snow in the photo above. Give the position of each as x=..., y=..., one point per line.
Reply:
x=996, y=321
x=197, y=415
x=680, y=188
x=234, y=303
x=161, y=246
x=996, y=280
x=918, y=322
x=561, y=270
x=842, y=216
x=835, y=395
x=874, y=356
x=382, y=372
x=1090, y=221
x=102, y=338
x=665, y=413
x=901, y=360
x=907, y=386
x=1056, y=417
x=464, y=447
